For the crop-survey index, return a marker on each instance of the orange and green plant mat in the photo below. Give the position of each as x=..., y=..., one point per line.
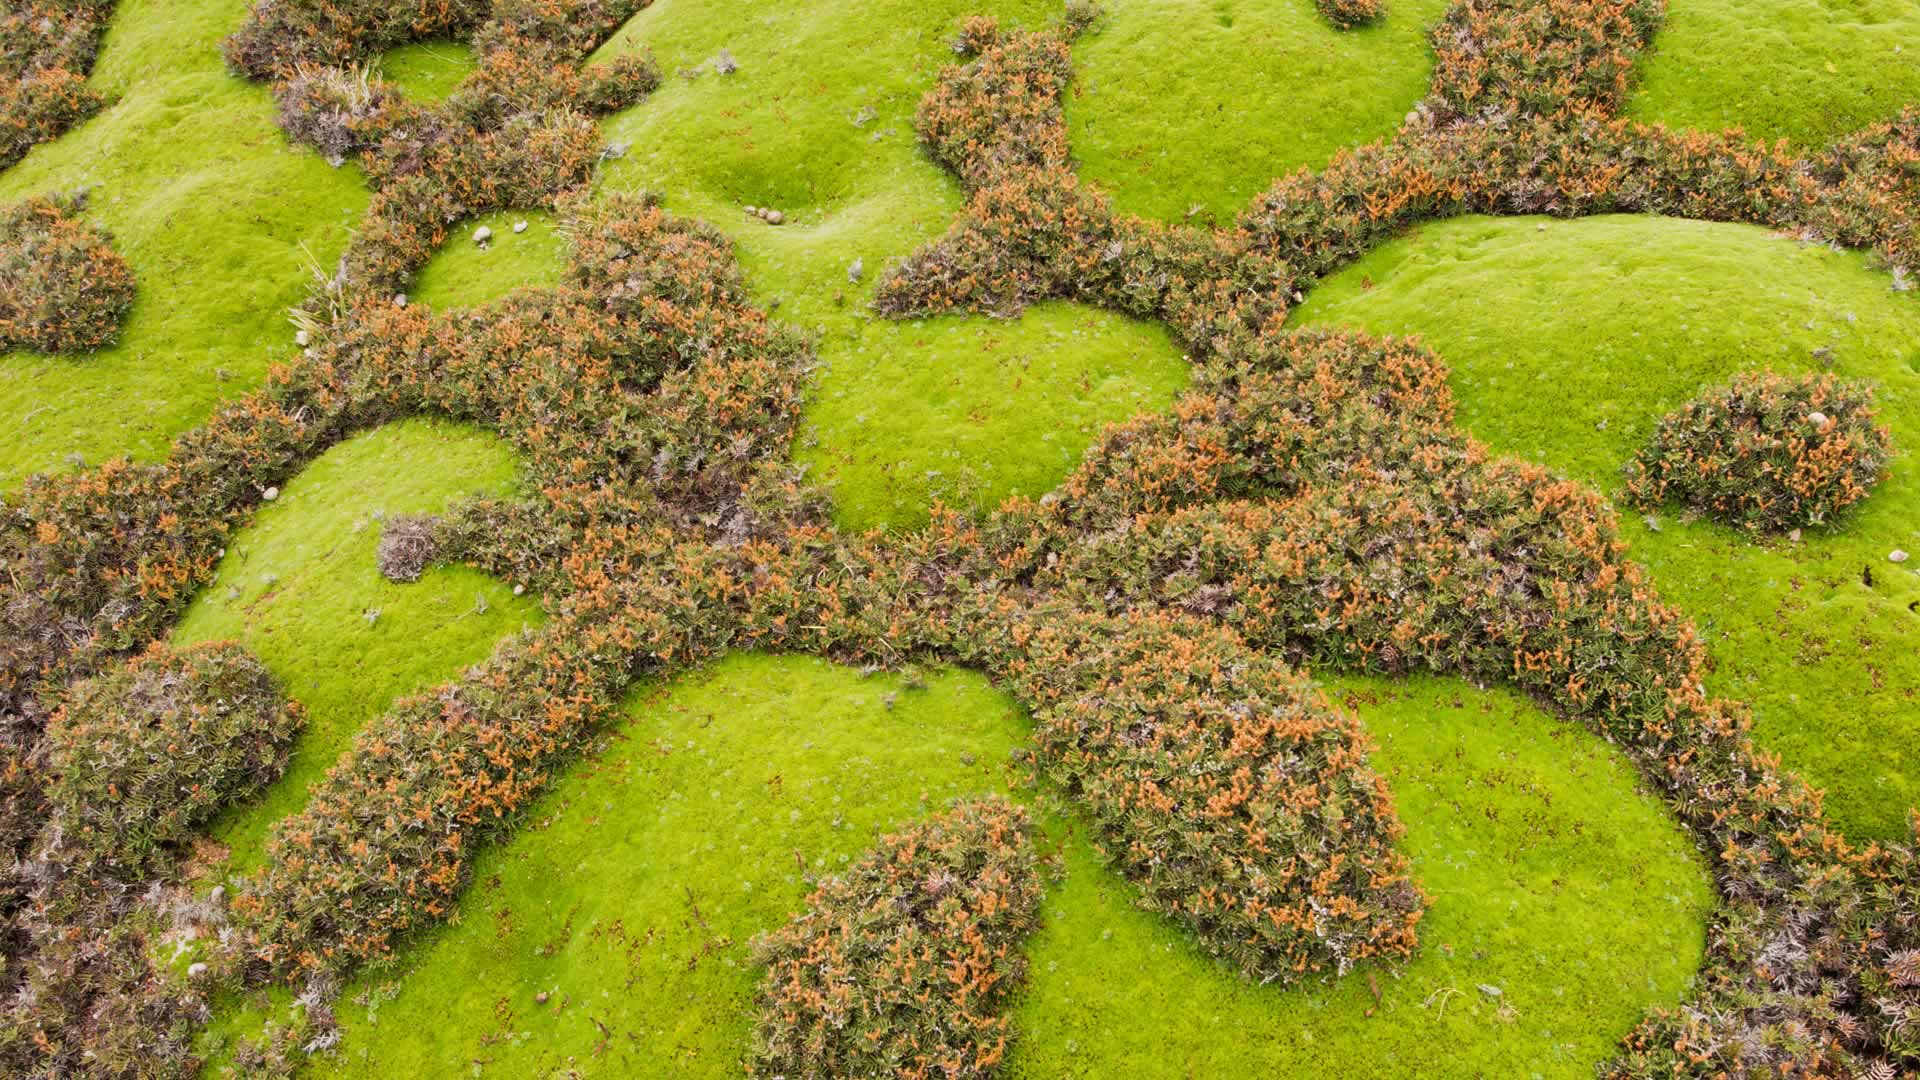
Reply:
x=611, y=934
x=1564, y=901
x=1568, y=342
x=220, y=218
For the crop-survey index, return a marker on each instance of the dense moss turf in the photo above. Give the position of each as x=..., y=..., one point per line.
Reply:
x=610, y=936
x=465, y=273
x=971, y=410
x=300, y=588
x=1195, y=106
x=1806, y=70
x=219, y=217
x=1569, y=340
x=429, y=70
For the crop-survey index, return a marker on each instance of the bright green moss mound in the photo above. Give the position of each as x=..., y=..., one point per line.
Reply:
x=818, y=114
x=1564, y=901
x=428, y=70
x=631, y=895
x=299, y=586
x=464, y=274
x=1554, y=883
x=1807, y=70
x=220, y=219
x=970, y=411
x=817, y=122
x=1569, y=340
x=1203, y=103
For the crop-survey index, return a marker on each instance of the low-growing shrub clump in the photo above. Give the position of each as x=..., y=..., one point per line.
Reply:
x=1512, y=59
x=1303, y=509
x=87, y=999
x=997, y=113
x=280, y=34
x=1193, y=753
x=1892, y=979
x=1766, y=452
x=905, y=964
x=139, y=755
x=407, y=545
x=1311, y=504
x=132, y=761
x=46, y=49
x=516, y=133
x=63, y=289
x=1347, y=14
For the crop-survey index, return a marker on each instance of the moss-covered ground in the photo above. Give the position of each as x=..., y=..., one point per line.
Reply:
x=220, y=218
x=1564, y=900
x=612, y=935
x=1805, y=70
x=429, y=70
x=1569, y=340
x=465, y=273
x=1187, y=109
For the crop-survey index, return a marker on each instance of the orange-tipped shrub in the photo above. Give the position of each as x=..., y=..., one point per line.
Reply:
x=1504, y=58
x=281, y=34
x=63, y=289
x=1766, y=452
x=1238, y=800
x=904, y=965
x=141, y=754
x=1347, y=14
x=46, y=49
x=1000, y=110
